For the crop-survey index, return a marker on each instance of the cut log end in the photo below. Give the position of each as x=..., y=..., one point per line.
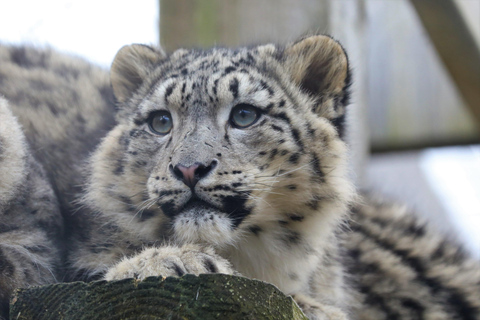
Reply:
x=208, y=296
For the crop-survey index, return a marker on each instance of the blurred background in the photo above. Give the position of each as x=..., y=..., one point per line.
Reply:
x=415, y=113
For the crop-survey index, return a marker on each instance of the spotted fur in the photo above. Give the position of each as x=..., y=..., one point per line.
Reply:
x=271, y=200
x=30, y=220
x=58, y=108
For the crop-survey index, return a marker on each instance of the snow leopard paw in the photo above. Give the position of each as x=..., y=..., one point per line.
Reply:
x=170, y=261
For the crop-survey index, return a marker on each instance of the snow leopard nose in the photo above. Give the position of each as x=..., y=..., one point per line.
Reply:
x=192, y=174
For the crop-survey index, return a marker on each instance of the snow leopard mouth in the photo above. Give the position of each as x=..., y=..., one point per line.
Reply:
x=194, y=207
x=232, y=208
x=197, y=203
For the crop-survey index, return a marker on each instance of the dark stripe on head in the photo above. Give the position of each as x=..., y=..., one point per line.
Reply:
x=169, y=91
x=234, y=87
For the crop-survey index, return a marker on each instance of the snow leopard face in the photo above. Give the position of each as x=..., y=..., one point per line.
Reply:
x=214, y=146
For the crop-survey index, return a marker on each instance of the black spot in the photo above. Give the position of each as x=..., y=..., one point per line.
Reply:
x=262, y=153
x=295, y=217
x=273, y=153
x=265, y=166
x=168, y=208
x=255, y=229
x=416, y=230
x=229, y=70
x=291, y=187
x=234, y=206
x=269, y=107
x=294, y=158
x=219, y=154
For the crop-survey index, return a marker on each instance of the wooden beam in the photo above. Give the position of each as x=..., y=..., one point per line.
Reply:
x=455, y=45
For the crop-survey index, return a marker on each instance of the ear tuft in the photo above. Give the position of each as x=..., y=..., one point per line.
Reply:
x=319, y=65
x=131, y=66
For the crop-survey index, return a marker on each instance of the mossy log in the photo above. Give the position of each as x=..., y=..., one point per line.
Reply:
x=208, y=296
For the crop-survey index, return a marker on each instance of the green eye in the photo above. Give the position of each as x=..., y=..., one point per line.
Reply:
x=244, y=115
x=160, y=122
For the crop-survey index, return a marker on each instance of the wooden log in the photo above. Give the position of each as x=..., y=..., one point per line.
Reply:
x=208, y=296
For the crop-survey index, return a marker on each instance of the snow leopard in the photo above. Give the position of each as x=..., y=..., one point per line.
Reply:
x=228, y=161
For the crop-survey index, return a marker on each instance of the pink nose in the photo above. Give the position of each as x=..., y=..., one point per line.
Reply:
x=192, y=174
x=188, y=174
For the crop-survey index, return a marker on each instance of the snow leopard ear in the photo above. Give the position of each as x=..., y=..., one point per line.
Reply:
x=319, y=65
x=131, y=66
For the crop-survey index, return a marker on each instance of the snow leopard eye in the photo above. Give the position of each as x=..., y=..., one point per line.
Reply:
x=160, y=122
x=244, y=115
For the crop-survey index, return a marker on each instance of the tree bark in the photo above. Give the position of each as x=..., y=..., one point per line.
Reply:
x=208, y=296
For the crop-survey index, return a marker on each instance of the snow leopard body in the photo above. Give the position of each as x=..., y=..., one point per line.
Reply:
x=219, y=160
